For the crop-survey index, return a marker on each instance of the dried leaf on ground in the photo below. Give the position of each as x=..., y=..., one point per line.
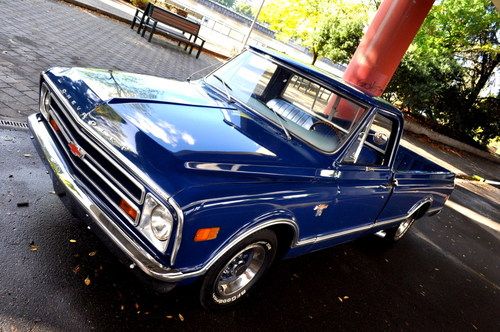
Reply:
x=181, y=317
x=92, y=253
x=87, y=281
x=72, y=241
x=33, y=246
x=76, y=269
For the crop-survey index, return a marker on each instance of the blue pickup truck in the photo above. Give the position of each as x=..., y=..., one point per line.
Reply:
x=215, y=179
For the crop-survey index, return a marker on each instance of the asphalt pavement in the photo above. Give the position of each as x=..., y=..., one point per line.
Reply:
x=56, y=275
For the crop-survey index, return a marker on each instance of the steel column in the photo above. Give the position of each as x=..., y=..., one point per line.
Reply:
x=385, y=42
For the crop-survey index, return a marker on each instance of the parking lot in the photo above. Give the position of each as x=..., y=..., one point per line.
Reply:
x=56, y=275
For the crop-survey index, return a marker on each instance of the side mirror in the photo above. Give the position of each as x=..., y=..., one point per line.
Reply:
x=380, y=138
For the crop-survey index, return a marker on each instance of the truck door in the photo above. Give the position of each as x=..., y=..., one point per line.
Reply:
x=364, y=179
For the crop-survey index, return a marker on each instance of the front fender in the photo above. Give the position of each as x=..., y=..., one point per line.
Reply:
x=240, y=215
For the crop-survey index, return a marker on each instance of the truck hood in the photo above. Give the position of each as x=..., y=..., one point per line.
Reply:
x=163, y=125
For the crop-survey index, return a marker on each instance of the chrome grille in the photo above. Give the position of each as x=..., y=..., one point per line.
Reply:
x=109, y=179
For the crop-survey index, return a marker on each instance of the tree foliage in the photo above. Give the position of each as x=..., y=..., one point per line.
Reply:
x=448, y=65
x=329, y=28
x=244, y=9
x=227, y=3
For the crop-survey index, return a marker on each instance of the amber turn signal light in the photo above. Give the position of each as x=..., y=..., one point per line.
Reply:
x=54, y=125
x=206, y=234
x=128, y=209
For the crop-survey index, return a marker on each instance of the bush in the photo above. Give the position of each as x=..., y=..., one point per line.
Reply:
x=140, y=3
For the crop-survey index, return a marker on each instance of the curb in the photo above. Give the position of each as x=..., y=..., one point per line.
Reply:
x=440, y=138
x=129, y=22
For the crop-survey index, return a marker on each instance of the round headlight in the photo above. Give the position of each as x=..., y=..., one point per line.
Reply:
x=161, y=223
x=44, y=101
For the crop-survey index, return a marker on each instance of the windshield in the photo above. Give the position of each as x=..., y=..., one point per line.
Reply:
x=305, y=109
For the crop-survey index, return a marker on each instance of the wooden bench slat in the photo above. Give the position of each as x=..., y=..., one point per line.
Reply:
x=154, y=15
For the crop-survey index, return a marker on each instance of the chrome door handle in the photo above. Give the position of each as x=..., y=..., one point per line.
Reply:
x=391, y=184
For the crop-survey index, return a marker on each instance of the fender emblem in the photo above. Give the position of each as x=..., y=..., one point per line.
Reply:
x=319, y=209
x=76, y=150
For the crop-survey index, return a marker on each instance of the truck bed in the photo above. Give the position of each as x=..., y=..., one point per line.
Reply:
x=409, y=161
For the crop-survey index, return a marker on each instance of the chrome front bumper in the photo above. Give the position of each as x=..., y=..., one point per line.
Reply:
x=50, y=153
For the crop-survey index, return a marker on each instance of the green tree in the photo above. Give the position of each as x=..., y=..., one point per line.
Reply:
x=330, y=28
x=227, y=3
x=244, y=9
x=448, y=65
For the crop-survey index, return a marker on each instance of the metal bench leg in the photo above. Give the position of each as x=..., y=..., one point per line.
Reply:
x=135, y=17
x=152, y=31
x=199, y=49
x=192, y=44
x=144, y=28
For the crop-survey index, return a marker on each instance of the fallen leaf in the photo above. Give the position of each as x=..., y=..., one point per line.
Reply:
x=87, y=281
x=169, y=317
x=181, y=317
x=92, y=253
x=72, y=241
x=33, y=246
x=346, y=297
x=76, y=269
x=340, y=299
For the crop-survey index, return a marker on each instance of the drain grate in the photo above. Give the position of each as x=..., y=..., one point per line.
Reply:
x=15, y=124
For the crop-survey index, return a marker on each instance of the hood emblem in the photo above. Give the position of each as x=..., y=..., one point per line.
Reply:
x=76, y=150
x=319, y=209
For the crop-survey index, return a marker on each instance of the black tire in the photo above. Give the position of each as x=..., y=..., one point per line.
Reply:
x=255, y=254
x=397, y=233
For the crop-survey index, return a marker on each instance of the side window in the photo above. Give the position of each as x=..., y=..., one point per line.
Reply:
x=373, y=146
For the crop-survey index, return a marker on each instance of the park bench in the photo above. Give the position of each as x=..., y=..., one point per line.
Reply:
x=173, y=26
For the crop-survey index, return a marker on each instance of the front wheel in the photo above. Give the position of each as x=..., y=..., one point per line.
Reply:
x=230, y=278
x=397, y=233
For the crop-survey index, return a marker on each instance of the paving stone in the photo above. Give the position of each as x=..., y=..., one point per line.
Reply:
x=32, y=42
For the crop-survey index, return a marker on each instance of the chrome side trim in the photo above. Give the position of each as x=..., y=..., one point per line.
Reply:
x=180, y=227
x=419, y=204
x=377, y=224
x=435, y=211
x=330, y=236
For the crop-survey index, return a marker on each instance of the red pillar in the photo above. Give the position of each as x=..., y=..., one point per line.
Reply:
x=382, y=47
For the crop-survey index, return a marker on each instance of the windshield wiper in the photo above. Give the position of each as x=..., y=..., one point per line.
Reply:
x=280, y=117
x=227, y=88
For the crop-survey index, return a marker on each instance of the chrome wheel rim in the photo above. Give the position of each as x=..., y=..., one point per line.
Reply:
x=241, y=270
x=403, y=228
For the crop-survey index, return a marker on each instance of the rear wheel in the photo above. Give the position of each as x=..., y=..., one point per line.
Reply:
x=397, y=233
x=237, y=271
